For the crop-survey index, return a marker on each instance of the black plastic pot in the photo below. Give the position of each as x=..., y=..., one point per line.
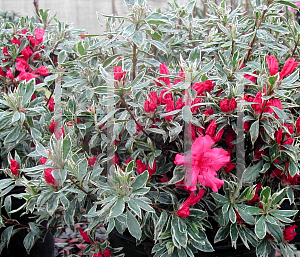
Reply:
x=144, y=249
x=42, y=248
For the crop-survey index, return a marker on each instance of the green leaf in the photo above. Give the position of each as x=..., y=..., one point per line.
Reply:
x=6, y=235
x=288, y=4
x=254, y=131
x=233, y=233
x=187, y=113
x=222, y=233
x=252, y=172
x=232, y=215
x=180, y=237
x=128, y=31
x=161, y=46
x=117, y=208
x=140, y=181
x=29, y=241
x=62, y=56
x=275, y=231
x=137, y=38
x=265, y=194
x=35, y=229
x=144, y=205
x=220, y=198
x=133, y=225
x=245, y=216
x=80, y=48
x=204, y=245
x=134, y=207
x=13, y=135
x=131, y=127
x=157, y=18
x=260, y=227
x=66, y=146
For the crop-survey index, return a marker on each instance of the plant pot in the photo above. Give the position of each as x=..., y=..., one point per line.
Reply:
x=144, y=249
x=42, y=248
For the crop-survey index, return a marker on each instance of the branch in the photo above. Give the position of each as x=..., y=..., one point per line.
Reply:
x=254, y=36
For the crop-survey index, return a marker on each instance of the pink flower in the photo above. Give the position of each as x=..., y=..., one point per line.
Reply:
x=26, y=76
x=273, y=64
x=43, y=71
x=289, y=66
x=163, y=70
x=39, y=34
x=26, y=52
x=92, y=161
x=119, y=74
x=288, y=234
x=184, y=208
x=49, y=178
x=58, y=134
x=85, y=236
x=14, y=167
x=203, y=163
x=250, y=77
x=296, y=3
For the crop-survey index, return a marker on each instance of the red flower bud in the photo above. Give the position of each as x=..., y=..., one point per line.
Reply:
x=14, y=167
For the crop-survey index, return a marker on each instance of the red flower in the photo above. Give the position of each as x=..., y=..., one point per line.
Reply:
x=43, y=71
x=141, y=167
x=26, y=52
x=288, y=68
x=49, y=178
x=165, y=97
x=2, y=73
x=273, y=64
x=9, y=74
x=58, y=134
x=250, y=77
x=52, y=127
x=180, y=78
x=14, y=167
x=43, y=160
x=203, y=163
x=51, y=104
x=278, y=136
x=39, y=34
x=85, y=236
x=298, y=126
x=27, y=76
x=92, y=161
x=210, y=130
x=151, y=105
x=179, y=104
x=228, y=106
x=119, y=74
x=229, y=167
x=98, y=255
x=218, y=136
x=163, y=70
x=22, y=65
x=15, y=41
x=184, y=208
x=230, y=136
x=200, y=87
x=153, y=170
x=209, y=112
x=107, y=253
x=128, y=160
x=256, y=197
x=169, y=108
x=288, y=233
x=194, y=109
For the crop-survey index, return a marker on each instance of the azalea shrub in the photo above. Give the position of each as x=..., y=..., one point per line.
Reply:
x=167, y=127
